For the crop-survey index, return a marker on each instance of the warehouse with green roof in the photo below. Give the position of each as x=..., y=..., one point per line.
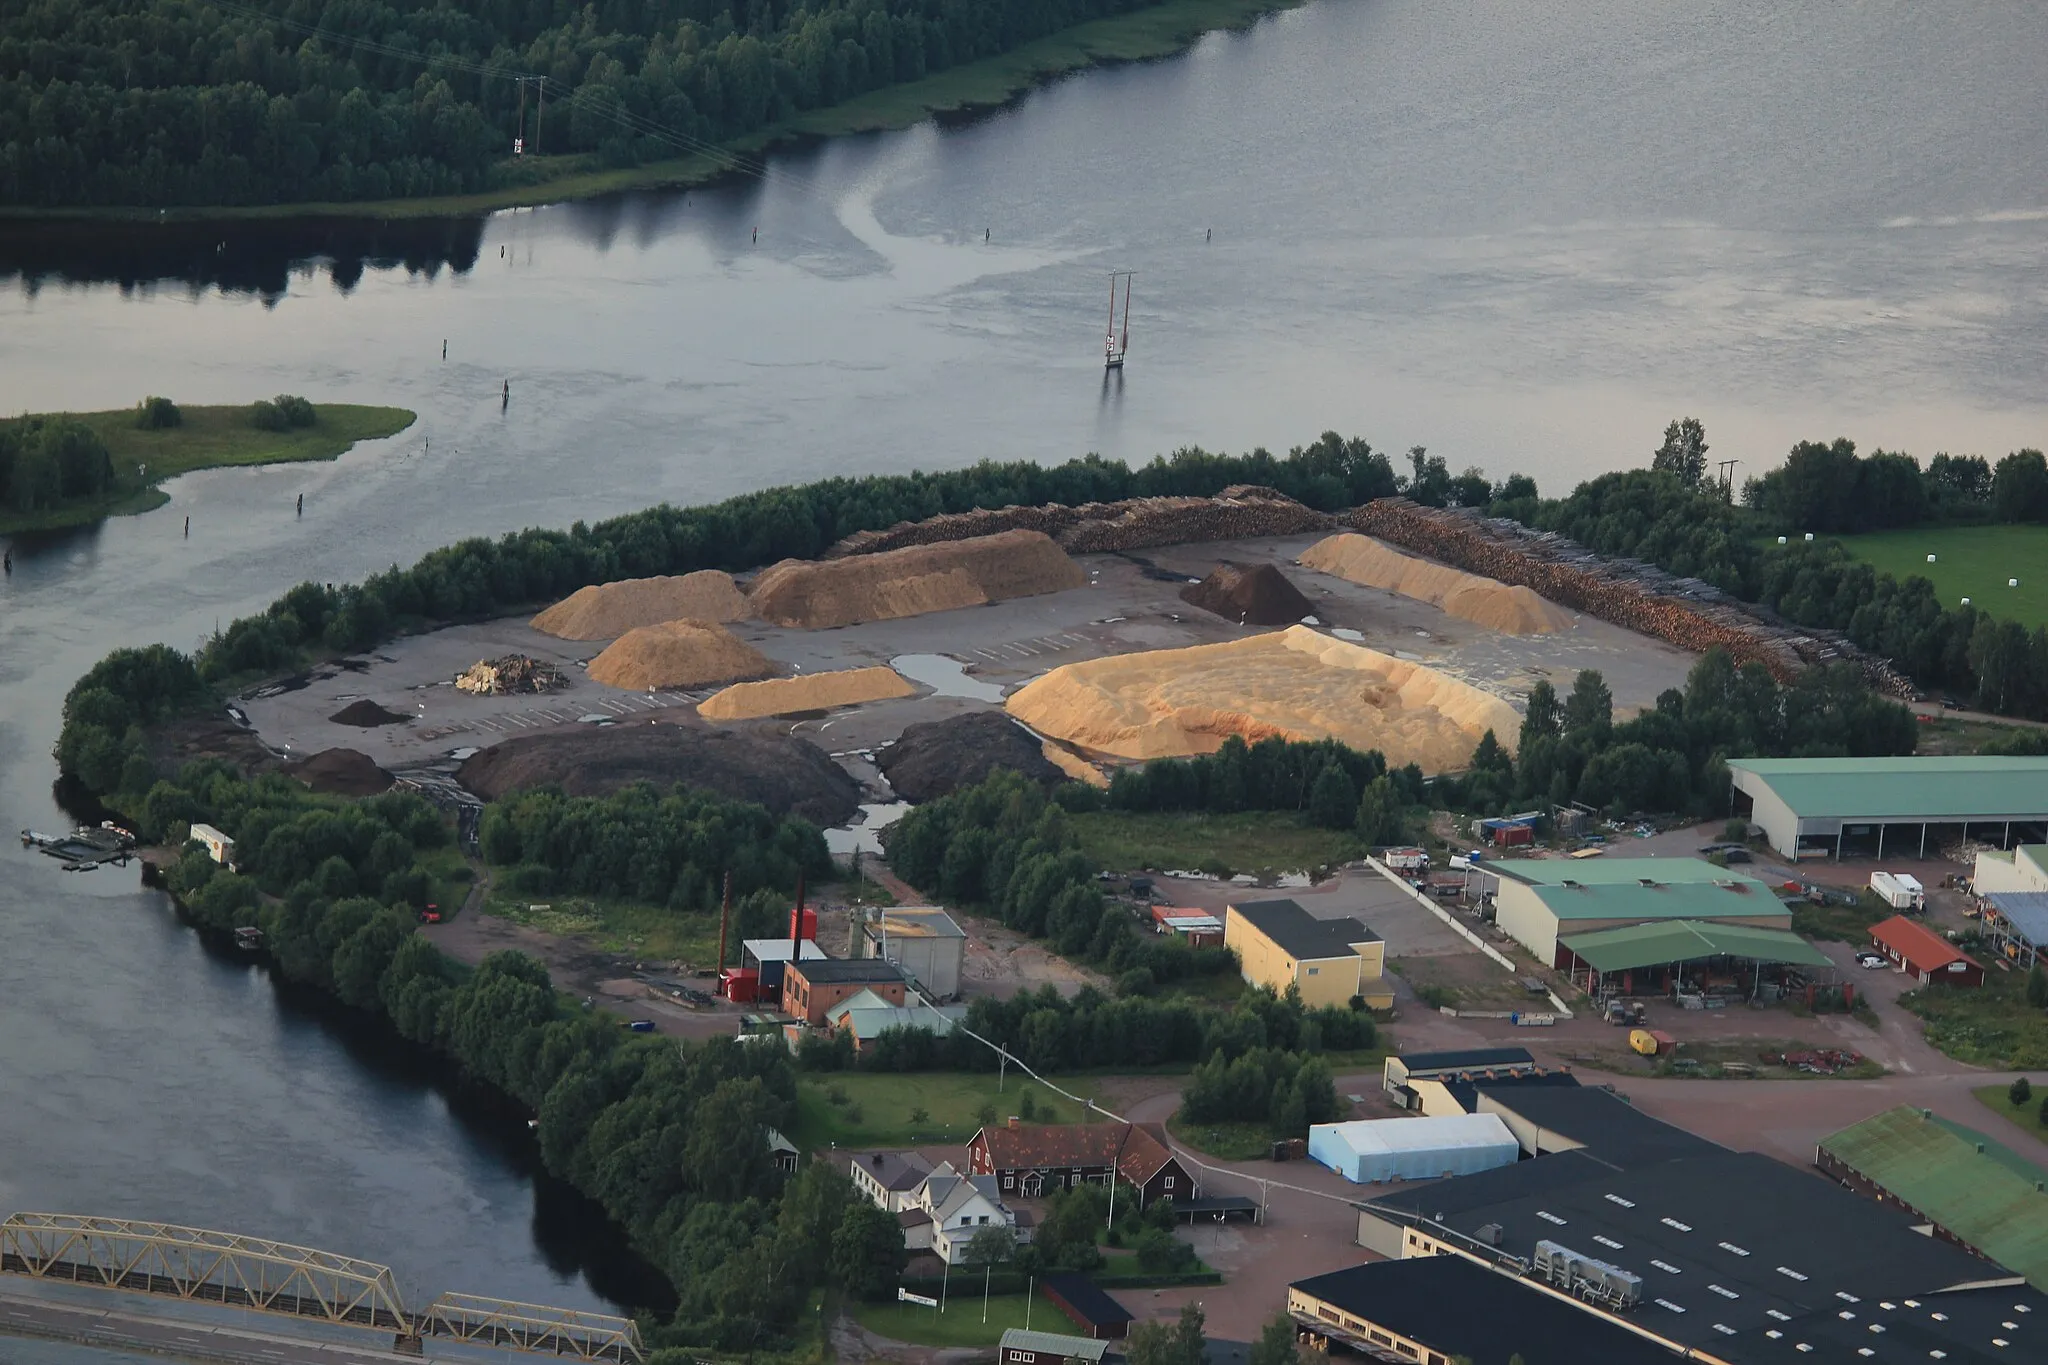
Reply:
x=1645, y=957
x=1906, y=807
x=1970, y=1189
x=1540, y=902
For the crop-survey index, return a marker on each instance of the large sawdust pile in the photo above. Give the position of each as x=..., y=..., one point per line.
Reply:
x=341, y=772
x=1259, y=596
x=678, y=654
x=788, y=776
x=1293, y=684
x=912, y=581
x=605, y=611
x=811, y=692
x=1483, y=601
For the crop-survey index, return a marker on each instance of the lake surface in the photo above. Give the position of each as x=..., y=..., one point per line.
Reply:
x=1523, y=234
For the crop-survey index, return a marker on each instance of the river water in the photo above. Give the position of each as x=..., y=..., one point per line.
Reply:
x=1523, y=232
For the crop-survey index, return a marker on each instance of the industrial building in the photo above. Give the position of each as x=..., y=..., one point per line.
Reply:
x=1967, y=1188
x=1539, y=901
x=1729, y=1258
x=1374, y=1151
x=2022, y=868
x=1329, y=961
x=1908, y=807
x=811, y=988
x=1398, y=1074
x=865, y=1016
x=2012, y=892
x=926, y=945
x=1911, y=947
x=1660, y=958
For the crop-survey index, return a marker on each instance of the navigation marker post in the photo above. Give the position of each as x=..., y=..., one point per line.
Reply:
x=1118, y=341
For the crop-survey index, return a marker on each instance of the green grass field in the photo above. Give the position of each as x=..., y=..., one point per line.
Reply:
x=628, y=928
x=1233, y=1141
x=1991, y=1027
x=2027, y=1116
x=208, y=437
x=961, y=1324
x=878, y=1107
x=1158, y=30
x=1262, y=842
x=1970, y=561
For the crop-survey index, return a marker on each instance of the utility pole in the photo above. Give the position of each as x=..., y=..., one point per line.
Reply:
x=1728, y=479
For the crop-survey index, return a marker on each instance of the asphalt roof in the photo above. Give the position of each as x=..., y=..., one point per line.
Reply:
x=2026, y=911
x=1740, y=898
x=1052, y=1343
x=1458, y=1308
x=1085, y=1298
x=1610, y=871
x=846, y=970
x=1914, y=787
x=1466, y=1093
x=1466, y=1059
x=1301, y=935
x=1686, y=940
x=1607, y=1125
x=1986, y=1194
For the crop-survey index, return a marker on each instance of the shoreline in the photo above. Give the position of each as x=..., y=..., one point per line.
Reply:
x=210, y=436
x=1160, y=30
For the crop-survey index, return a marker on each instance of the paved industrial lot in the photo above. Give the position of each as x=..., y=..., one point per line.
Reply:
x=1132, y=603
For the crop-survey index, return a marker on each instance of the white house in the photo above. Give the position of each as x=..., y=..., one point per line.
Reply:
x=892, y=1181
x=960, y=1206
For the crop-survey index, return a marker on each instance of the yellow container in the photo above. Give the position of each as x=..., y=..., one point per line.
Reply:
x=1644, y=1041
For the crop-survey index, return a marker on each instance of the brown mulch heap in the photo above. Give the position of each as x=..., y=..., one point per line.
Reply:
x=788, y=776
x=341, y=772
x=937, y=757
x=1260, y=596
x=366, y=713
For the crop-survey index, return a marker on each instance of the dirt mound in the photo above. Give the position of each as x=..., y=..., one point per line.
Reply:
x=1259, y=596
x=1483, y=601
x=341, y=772
x=811, y=692
x=912, y=581
x=1294, y=684
x=788, y=776
x=678, y=654
x=366, y=713
x=935, y=757
x=605, y=611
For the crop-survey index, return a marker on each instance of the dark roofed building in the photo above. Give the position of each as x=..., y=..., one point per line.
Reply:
x=1031, y=1161
x=1434, y=1309
x=1474, y=1064
x=1083, y=1301
x=811, y=989
x=1547, y=1119
x=1279, y=944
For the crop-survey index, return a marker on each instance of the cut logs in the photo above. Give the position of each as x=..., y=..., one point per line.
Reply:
x=1239, y=511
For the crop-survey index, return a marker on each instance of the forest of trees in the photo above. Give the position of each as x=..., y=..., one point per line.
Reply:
x=164, y=102
x=48, y=460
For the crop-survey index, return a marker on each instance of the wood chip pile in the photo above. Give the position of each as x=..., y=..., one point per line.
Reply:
x=1242, y=510
x=820, y=594
x=1629, y=593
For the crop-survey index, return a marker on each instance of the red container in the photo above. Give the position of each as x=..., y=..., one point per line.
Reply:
x=809, y=929
x=741, y=985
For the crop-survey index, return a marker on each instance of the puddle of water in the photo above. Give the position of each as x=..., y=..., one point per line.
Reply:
x=947, y=677
x=864, y=833
x=1346, y=633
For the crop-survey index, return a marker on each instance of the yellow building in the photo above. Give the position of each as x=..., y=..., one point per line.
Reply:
x=1279, y=944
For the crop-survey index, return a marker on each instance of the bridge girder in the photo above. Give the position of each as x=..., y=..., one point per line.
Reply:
x=529, y=1327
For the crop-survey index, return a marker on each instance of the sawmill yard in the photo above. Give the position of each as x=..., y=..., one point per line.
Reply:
x=1126, y=604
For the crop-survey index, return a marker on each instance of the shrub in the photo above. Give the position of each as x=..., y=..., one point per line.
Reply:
x=2019, y=1092
x=157, y=414
x=286, y=412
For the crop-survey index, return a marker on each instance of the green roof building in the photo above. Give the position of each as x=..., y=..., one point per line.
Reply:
x=1973, y=1191
x=1539, y=901
x=1892, y=807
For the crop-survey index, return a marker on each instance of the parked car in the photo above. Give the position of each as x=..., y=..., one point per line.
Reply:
x=1871, y=960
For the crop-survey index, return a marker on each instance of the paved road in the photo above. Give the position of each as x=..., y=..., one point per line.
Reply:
x=117, y=1329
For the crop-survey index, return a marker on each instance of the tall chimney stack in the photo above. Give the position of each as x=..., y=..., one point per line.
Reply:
x=724, y=918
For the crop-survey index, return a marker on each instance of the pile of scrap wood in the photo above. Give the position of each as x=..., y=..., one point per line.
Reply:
x=1629, y=593
x=512, y=673
x=1242, y=510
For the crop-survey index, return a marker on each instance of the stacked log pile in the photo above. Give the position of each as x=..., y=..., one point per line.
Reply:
x=1242, y=510
x=1626, y=592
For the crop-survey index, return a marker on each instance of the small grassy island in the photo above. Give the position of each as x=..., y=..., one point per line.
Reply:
x=72, y=469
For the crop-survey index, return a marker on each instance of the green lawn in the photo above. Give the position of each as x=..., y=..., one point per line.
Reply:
x=961, y=1324
x=2027, y=1116
x=1842, y=923
x=1970, y=561
x=1993, y=1026
x=1261, y=842
x=207, y=437
x=1236, y=1141
x=876, y=1110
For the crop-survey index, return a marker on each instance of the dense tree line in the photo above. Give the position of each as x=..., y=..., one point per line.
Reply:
x=670, y=849
x=1286, y=1091
x=140, y=102
x=1827, y=487
x=1651, y=514
x=1673, y=756
x=48, y=460
x=670, y=1139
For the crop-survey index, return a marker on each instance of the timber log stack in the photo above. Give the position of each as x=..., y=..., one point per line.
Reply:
x=1238, y=512
x=1685, y=612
